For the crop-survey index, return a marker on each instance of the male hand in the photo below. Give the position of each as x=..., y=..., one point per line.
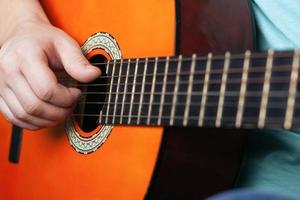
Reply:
x=30, y=95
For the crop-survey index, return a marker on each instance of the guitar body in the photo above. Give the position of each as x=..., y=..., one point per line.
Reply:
x=134, y=161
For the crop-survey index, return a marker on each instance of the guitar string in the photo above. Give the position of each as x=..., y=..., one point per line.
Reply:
x=254, y=55
x=233, y=70
x=250, y=103
x=207, y=118
x=277, y=93
x=194, y=93
x=273, y=104
x=257, y=81
x=283, y=79
x=212, y=104
x=182, y=73
x=212, y=118
x=216, y=93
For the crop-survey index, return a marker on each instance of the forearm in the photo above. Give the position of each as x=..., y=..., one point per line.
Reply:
x=16, y=12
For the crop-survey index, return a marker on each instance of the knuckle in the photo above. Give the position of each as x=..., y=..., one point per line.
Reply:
x=9, y=66
x=6, y=68
x=81, y=61
x=63, y=115
x=9, y=76
x=45, y=93
x=33, y=108
x=25, y=44
x=19, y=52
x=21, y=115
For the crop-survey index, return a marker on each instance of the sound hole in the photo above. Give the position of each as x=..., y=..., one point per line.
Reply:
x=93, y=98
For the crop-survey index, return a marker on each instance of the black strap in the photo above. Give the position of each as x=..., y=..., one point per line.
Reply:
x=15, y=144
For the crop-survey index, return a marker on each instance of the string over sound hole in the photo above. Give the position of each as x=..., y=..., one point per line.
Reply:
x=89, y=108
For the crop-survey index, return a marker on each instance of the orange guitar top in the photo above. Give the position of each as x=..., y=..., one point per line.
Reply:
x=121, y=169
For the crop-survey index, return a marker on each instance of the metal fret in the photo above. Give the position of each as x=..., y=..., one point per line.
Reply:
x=152, y=91
x=205, y=89
x=222, y=90
x=117, y=92
x=142, y=90
x=162, y=99
x=288, y=121
x=100, y=117
x=243, y=89
x=125, y=91
x=189, y=91
x=101, y=112
x=266, y=90
x=174, y=101
x=133, y=90
x=110, y=90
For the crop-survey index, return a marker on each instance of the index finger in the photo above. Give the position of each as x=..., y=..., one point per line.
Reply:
x=43, y=82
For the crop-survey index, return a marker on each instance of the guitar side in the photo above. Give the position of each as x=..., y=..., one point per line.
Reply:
x=195, y=163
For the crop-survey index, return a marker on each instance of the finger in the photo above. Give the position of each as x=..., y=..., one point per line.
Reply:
x=44, y=84
x=19, y=113
x=75, y=63
x=10, y=117
x=32, y=104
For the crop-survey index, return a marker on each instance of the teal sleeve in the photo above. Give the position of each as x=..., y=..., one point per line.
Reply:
x=278, y=23
x=272, y=157
x=272, y=162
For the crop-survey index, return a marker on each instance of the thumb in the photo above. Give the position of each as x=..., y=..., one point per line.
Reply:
x=74, y=62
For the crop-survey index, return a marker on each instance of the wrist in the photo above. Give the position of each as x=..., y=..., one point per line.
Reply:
x=23, y=12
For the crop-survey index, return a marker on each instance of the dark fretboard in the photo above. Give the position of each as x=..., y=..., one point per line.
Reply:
x=256, y=90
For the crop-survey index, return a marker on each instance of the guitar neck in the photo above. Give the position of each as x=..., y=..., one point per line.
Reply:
x=249, y=90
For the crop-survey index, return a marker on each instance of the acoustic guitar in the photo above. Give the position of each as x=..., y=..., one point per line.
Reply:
x=183, y=65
